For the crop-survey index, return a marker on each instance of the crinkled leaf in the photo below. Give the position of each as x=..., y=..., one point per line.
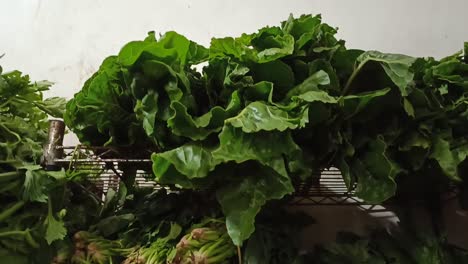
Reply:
x=259, y=116
x=235, y=145
x=375, y=173
x=276, y=72
x=183, y=124
x=267, y=46
x=36, y=183
x=396, y=66
x=171, y=47
x=242, y=200
x=180, y=165
x=312, y=83
x=448, y=162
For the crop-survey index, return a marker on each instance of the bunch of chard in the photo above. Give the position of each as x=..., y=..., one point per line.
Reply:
x=91, y=248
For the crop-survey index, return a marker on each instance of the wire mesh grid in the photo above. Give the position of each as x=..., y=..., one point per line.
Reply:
x=104, y=167
x=103, y=171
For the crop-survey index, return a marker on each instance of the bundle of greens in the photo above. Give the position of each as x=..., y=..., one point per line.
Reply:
x=91, y=248
x=30, y=217
x=275, y=106
x=157, y=252
x=206, y=243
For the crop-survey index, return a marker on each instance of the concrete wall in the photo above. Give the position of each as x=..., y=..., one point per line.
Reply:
x=65, y=42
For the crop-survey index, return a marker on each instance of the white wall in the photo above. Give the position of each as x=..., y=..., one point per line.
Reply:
x=65, y=41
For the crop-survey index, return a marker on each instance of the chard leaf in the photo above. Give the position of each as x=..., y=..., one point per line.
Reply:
x=259, y=116
x=446, y=159
x=375, y=173
x=312, y=83
x=242, y=200
x=182, y=124
x=269, y=45
x=190, y=161
x=235, y=145
x=396, y=66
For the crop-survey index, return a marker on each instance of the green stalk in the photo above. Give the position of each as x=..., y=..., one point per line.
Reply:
x=12, y=233
x=12, y=133
x=10, y=186
x=5, y=176
x=221, y=249
x=205, y=247
x=212, y=247
x=10, y=211
x=6, y=102
x=24, y=233
x=31, y=240
x=216, y=259
x=352, y=77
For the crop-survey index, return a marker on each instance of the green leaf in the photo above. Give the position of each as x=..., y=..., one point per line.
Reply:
x=276, y=72
x=113, y=224
x=375, y=173
x=396, y=66
x=182, y=124
x=242, y=200
x=446, y=159
x=171, y=47
x=443, y=89
x=53, y=106
x=147, y=110
x=269, y=45
x=183, y=164
x=415, y=139
x=259, y=116
x=272, y=44
x=316, y=96
x=235, y=145
x=356, y=103
x=36, y=183
x=409, y=109
x=312, y=83
x=55, y=228
x=307, y=29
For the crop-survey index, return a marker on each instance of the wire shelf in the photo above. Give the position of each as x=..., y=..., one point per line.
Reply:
x=103, y=167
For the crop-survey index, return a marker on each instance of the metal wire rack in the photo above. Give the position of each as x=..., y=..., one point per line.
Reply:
x=103, y=167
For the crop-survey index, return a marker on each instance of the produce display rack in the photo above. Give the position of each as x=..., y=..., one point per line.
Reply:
x=102, y=165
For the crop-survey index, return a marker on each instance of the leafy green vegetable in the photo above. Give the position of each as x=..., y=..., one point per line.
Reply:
x=25, y=187
x=271, y=107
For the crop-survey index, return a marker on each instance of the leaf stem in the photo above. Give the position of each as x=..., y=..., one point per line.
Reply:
x=10, y=211
x=352, y=77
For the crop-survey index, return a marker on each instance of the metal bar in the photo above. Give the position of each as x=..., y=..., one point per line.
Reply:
x=103, y=160
x=50, y=151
